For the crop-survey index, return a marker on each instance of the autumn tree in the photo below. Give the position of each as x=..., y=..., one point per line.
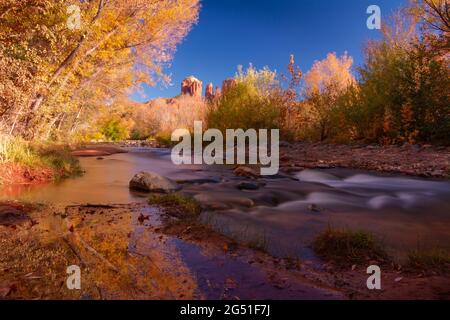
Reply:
x=67, y=74
x=251, y=103
x=403, y=92
x=327, y=80
x=435, y=16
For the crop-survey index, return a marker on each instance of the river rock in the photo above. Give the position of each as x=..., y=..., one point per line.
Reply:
x=246, y=172
x=248, y=186
x=324, y=166
x=153, y=182
x=245, y=202
x=314, y=208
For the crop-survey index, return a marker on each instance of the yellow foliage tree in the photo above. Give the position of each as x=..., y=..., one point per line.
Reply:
x=435, y=18
x=119, y=45
x=323, y=85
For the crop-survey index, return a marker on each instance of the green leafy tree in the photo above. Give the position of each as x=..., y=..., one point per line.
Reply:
x=250, y=103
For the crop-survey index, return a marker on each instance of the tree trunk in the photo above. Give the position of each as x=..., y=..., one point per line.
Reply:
x=75, y=121
x=37, y=101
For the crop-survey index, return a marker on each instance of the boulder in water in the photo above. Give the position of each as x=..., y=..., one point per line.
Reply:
x=153, y=182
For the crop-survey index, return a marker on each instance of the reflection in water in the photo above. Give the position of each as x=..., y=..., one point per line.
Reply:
x=406, y=212
x=105, y=181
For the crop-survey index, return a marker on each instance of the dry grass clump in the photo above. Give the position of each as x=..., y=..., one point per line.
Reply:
x=345, y=247
x=177, y=205
x=429, y=261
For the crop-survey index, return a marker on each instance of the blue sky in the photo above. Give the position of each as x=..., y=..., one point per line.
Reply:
x=265, y=33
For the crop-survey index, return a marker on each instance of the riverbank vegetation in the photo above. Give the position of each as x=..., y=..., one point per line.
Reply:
x=436, y=260
x=62, y=74
x=251, y=103
x=178, y=205
x=346, y=247
x=401, y=93
x=24, y=162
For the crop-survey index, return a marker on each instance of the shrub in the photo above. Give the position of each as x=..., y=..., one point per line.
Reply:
x=251, y=103
x=16, y=150
x=115, y=130
x=347, y=247
x=402, y=93
x=177, y=204
x=164, y=139
x=403, y=96
x=430, y=260
x=61, y=160
x=243, y=108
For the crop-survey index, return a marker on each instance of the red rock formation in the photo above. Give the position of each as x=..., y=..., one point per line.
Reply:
x=217, y=93
x=192, y=86
x=228, y=84
x=209, y=93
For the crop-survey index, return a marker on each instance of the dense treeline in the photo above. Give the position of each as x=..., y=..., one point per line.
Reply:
x=401, y=94
x=58, y=82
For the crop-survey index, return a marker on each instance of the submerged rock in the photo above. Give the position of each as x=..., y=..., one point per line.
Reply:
x=153, y=182
x=248, y=186
x=247, y=172
x=314, y=208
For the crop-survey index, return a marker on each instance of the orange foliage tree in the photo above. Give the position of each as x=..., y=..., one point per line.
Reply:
x=323, y=85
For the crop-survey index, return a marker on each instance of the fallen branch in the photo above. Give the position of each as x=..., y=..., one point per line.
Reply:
x=98, y=255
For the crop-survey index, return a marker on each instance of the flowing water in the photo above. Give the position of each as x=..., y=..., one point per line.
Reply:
x=285, y=213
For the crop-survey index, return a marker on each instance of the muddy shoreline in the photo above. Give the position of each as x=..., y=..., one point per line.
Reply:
x=13, y=174
x=413, y=160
